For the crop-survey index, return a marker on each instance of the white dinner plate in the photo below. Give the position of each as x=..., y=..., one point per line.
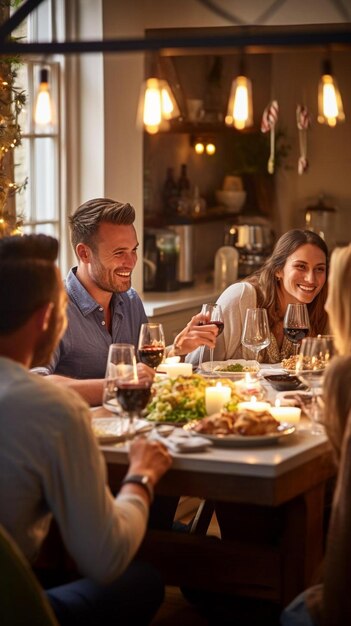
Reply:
x=112, y=429
x=210, y=368
x=246, y=441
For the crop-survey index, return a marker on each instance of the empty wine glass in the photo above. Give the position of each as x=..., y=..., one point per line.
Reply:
x=256, y=334
x=213, y=315
x=151, y=345
x=296, y=324
x=312, y=360
x=122, y=387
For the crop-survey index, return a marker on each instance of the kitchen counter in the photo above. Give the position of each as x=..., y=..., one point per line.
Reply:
x=161, y=303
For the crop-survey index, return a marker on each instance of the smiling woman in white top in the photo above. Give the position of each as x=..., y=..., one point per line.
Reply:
x=296, y=272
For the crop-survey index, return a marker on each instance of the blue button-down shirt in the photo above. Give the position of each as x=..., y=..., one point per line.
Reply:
x=82, y=352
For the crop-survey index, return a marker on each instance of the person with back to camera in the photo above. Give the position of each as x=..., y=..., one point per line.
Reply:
x=103, y=308
x=329, y=603
x=296, y=271
x=51, y=466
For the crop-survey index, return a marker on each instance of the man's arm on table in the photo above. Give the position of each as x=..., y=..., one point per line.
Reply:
x=90, y=389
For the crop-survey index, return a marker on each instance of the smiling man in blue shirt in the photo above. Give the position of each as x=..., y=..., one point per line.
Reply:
x=103, y=307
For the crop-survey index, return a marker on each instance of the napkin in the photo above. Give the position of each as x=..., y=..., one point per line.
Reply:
x=181, y=441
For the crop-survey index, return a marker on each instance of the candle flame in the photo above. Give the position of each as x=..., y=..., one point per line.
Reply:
x=253, y=399
x=277, y=404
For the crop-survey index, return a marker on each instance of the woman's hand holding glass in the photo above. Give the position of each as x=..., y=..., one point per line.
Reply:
x=211, y=314
x=256, y=335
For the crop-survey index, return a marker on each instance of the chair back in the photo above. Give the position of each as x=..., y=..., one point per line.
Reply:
x=22, y=600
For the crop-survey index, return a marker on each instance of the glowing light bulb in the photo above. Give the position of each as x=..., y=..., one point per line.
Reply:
x=239, y=113
x=210, y=149
x=199, y=147
x=330, y=107
x=43, y=114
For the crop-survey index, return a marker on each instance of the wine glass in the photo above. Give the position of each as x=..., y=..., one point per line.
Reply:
x=151, y=345
x=296, y=324
x=213, y=315
x=314, y=356
x=122, y=387
x=256, y=334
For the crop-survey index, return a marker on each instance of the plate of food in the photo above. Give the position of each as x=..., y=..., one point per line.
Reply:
x=242, y=429
x=308, y=364
x=181, y=400
x=233, y=368
x=112, y=430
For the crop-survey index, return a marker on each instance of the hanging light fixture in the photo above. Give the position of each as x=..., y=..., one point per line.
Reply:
x=330, y=108
x=43, y=110
x=240, y=111
x=157, y=103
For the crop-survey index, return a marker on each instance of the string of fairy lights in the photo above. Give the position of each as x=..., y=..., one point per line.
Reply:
x=12, y=101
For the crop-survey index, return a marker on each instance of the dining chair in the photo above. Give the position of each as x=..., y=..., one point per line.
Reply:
x=22, y=600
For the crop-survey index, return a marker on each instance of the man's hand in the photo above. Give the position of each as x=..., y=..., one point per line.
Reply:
x=145, y=372
x=194, y=336
x=149, y=457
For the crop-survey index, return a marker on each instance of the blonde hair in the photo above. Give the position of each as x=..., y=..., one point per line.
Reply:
x=337, y=400
x=338, y=303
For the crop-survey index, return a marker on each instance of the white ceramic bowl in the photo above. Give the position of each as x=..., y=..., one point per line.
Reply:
x=232, y=200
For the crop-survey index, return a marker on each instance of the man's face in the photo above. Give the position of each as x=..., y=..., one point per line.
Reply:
x=57, y=324
x=112, y=263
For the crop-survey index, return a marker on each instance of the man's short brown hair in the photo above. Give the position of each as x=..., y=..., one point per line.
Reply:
x=28, y=278
x=85, y=221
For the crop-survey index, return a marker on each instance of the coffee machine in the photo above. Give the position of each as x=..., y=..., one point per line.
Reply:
x=161, y=254
x=254, y=243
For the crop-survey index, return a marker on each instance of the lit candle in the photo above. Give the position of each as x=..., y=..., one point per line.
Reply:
x=176, y=369
x=172, y=359
x=216, y=397
x=254, y=405
x=248, y=386
x=289, y=414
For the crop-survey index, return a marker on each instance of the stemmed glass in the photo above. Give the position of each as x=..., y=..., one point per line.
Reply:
x=122, y=387
x=213, y=315
x=314, y=356
x=151, y=345
x=296, y=324
x=255, y=334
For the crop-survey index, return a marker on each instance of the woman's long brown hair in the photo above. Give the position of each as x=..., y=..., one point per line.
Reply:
x=266, y=284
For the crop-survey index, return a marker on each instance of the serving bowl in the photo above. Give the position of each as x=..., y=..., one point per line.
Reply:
x=232, y=200
x=284, y=382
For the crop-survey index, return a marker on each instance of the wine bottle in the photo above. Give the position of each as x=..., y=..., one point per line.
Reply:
x=170, y=193
x=183, y=182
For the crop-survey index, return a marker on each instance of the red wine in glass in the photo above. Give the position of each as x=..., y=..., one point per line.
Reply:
x=133, y=396
x=296, y=324
x=151, y=355
x=295, y=335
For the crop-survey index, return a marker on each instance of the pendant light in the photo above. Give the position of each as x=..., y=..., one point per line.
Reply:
x=330, y=108
x=43, y=110
x=157, y=103
x=240, y=111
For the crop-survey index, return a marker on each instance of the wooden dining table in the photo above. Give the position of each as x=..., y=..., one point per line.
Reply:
x=271, y=506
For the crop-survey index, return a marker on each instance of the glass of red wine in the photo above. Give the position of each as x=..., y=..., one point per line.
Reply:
x=212, y=313
x=124, y=392
x=296, y=324
x=151, y=345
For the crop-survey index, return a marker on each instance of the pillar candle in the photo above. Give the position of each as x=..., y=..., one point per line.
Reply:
x=290, y=414
x=176, y=369
x=216, y=397
x=254, y=405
